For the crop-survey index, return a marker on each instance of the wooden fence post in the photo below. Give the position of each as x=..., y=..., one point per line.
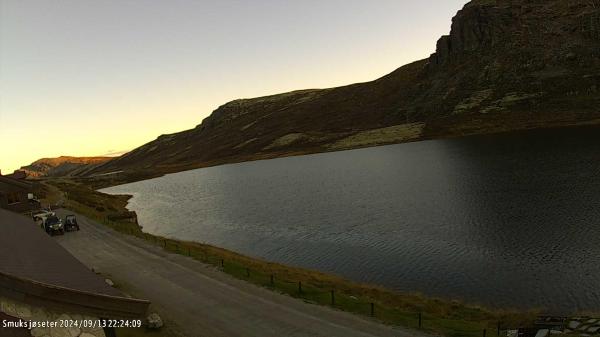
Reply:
x=372, y=309
x=272, y=280
x=420, y=320
x=248, y=272
x=300, y=287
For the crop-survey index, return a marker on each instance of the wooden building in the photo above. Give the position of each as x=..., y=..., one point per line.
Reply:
x=17, y=195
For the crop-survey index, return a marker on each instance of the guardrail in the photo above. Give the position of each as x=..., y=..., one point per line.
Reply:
x=71, y=300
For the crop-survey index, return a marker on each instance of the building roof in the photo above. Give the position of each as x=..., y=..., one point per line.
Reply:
x=18, y=174
x=20, y=184
x=36, y=269
x=27, y=252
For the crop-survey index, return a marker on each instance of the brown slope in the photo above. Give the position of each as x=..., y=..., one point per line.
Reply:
x=505, y=65
x=61, y=166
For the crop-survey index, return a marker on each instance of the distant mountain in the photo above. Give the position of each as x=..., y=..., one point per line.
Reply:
x=62, y=166
x=506, y=65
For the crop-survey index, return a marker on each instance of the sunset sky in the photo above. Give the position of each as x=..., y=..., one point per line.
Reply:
x=87, y=78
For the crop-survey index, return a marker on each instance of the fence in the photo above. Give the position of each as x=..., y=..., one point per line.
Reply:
x=313, y=292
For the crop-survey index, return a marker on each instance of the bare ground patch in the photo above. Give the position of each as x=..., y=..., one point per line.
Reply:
x=392, y=134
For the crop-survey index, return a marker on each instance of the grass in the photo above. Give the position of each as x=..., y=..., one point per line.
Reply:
x=438, y=316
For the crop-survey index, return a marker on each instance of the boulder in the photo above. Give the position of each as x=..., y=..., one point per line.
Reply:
x=8, y=307
x=40, y=332
x=64, y=332
x=85, y=334
x=23, y=311
x=154, y=321
x=594, y=329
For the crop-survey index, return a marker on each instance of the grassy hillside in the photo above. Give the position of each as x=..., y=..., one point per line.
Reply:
x=506, y=65
x=61, y=166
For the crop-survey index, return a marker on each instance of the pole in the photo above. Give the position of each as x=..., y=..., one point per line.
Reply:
x=372, y=309
x=332, y=297
x=420, y=320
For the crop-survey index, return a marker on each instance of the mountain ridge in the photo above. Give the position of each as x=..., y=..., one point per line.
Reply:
x=506, y=65
x=61, y=166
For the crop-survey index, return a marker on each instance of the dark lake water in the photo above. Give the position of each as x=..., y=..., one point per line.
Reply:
x=506, y=220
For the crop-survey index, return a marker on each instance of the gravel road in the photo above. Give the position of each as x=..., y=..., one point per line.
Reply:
x=197, y=300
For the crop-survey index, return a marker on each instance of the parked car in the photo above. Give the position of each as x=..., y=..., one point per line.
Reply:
x=53, y=225
x=71, y=223
x=41, y=215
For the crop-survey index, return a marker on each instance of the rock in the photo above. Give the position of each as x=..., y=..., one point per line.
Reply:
x=472, y=28
x=154, y=321
x=8, y=307
x=583, y=327
x=23, y=311
x=97, y=332
x=40, y=315
x=109, y=282
x=39, y=332
x=574, y=325
x=593, y=329
x=542, y=333
x=64, y=317
x=591, y=321
x=512, y=333
x=64, y=332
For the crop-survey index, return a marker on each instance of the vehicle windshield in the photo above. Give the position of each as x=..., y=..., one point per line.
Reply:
x=52, y=220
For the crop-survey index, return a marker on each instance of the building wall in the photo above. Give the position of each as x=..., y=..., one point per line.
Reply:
x=14, y=198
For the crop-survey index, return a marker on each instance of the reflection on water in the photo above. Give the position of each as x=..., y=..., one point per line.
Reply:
x=506, y=220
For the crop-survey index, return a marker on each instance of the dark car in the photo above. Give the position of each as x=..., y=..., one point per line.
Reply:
x=71, y=223
x=53, y=225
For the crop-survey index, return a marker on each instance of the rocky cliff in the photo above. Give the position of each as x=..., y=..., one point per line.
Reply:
x=506, y=65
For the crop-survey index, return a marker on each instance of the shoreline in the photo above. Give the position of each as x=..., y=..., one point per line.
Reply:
x=452, y=130
x=81, y=195
x=442, y=316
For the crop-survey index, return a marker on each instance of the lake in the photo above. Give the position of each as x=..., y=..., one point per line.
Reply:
x=508, y=220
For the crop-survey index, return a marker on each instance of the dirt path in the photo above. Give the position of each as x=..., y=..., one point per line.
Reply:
x=201, y=301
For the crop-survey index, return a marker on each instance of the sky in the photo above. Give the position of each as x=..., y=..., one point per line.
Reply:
x=88, y=77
